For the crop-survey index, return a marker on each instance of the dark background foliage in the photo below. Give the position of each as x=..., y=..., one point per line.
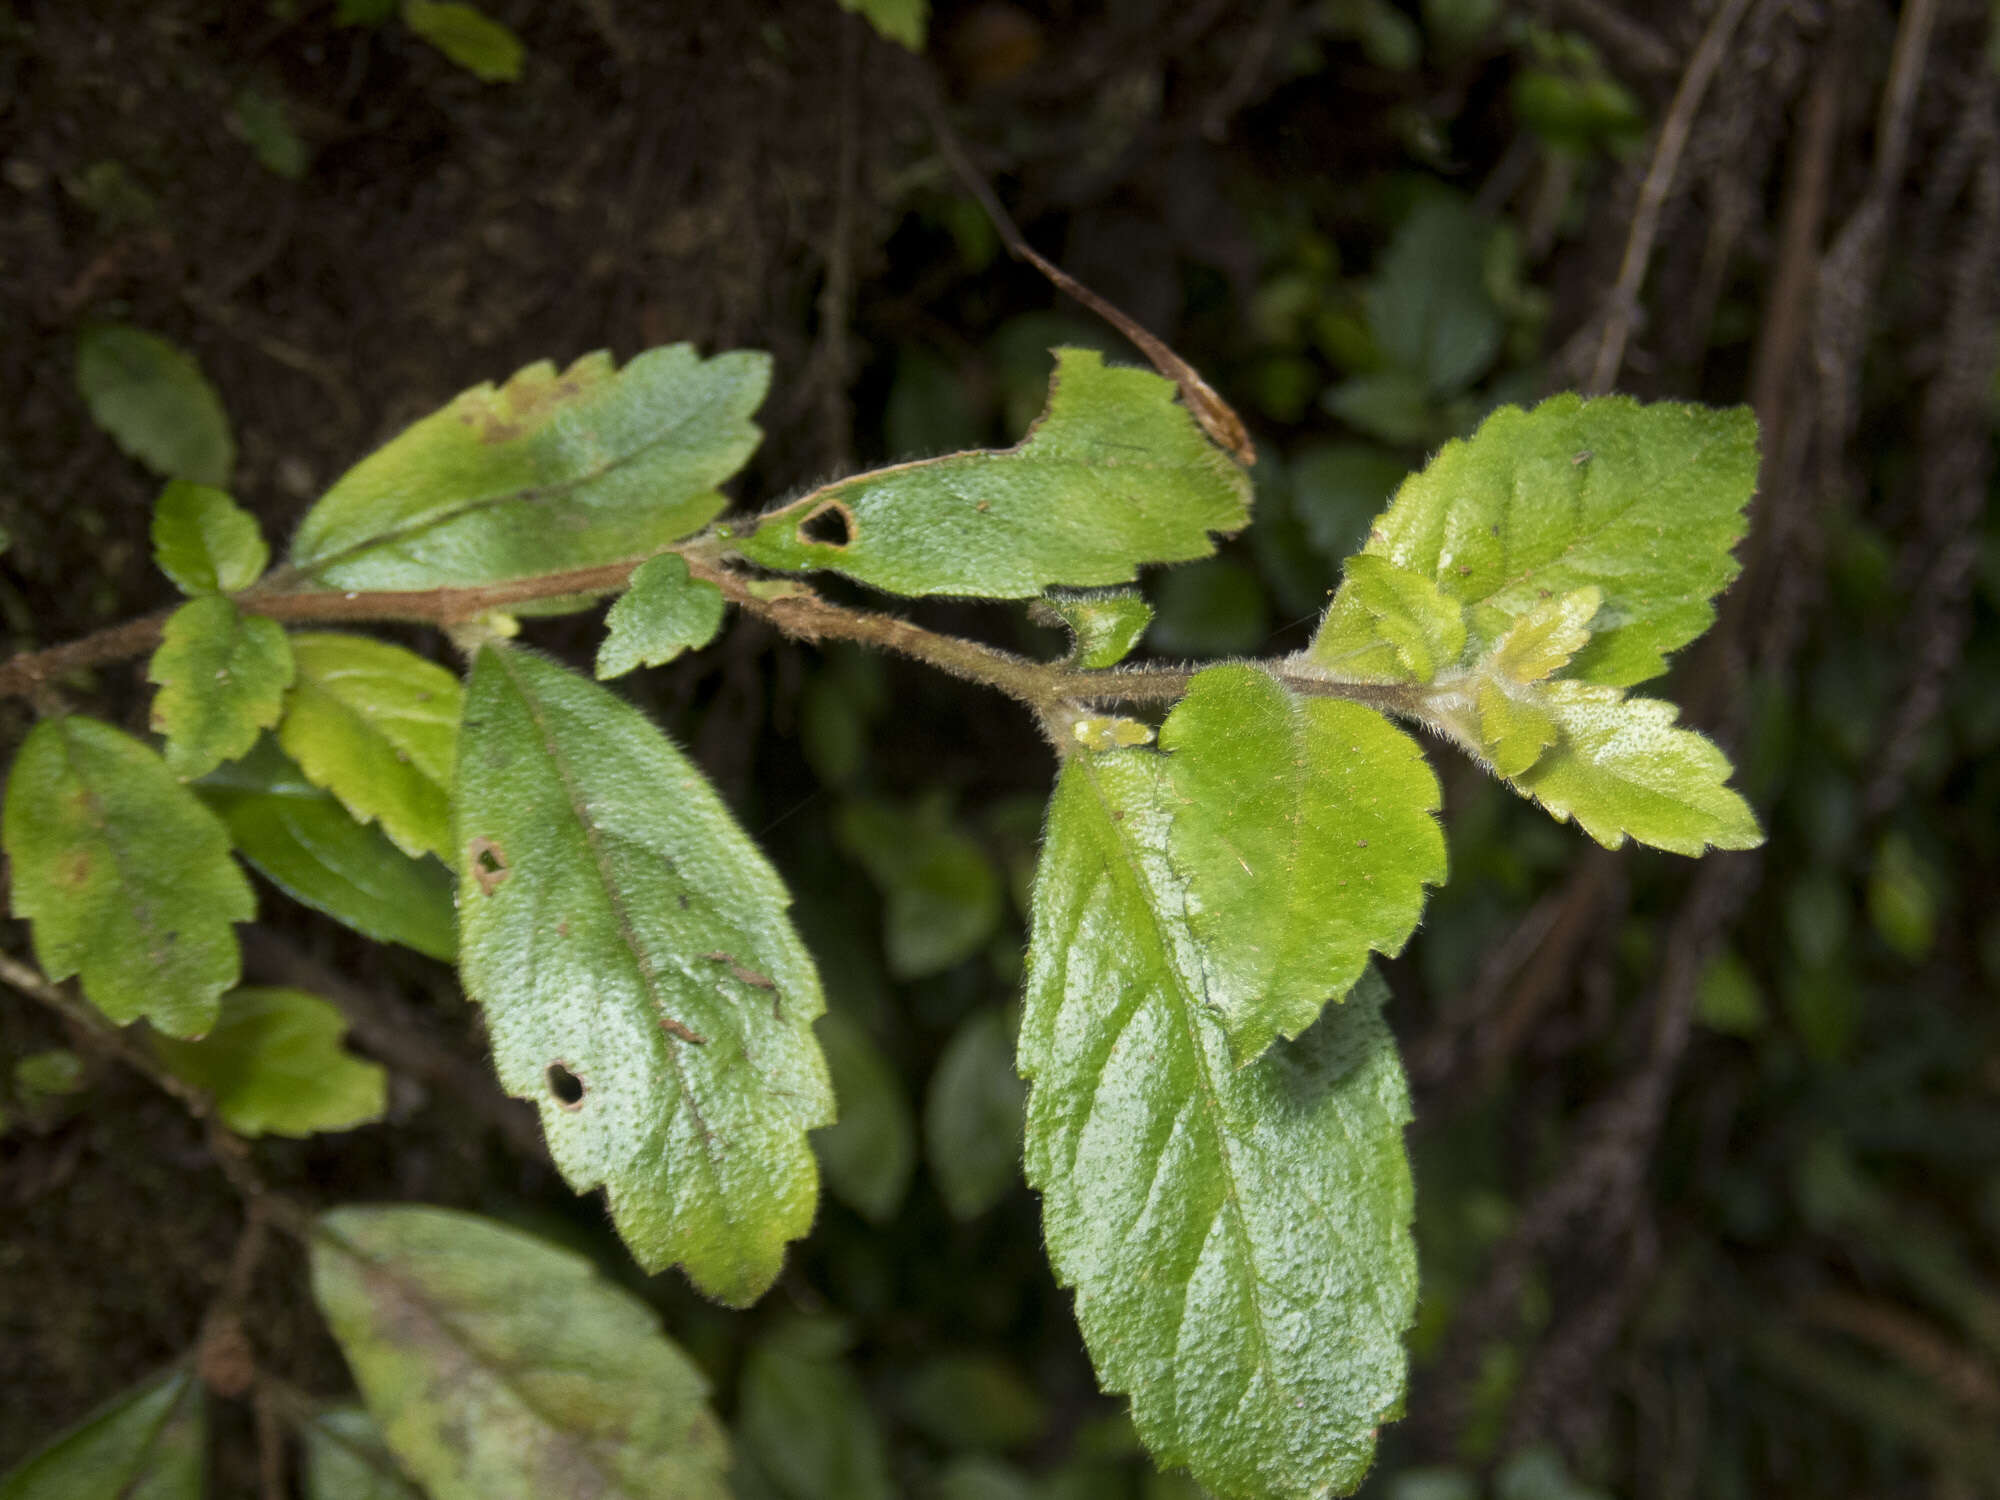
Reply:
x=1708, y=1154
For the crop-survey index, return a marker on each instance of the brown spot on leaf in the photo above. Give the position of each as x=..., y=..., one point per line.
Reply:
x=73, y=871
x=682, y=1030
x=488, y=863
x=744, y=974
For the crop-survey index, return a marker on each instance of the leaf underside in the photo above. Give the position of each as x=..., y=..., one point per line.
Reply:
x=1116, y=474
x=1238, y=1238
x=641, y=980
x=496, y=1364
x=551, y=471
x=125, y=876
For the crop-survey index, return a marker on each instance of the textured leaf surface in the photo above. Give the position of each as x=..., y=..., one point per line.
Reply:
x=642, y=982
x=469, y=37
x=1116, y=474
x=222, y=676
x=1541, y=642
x=870, y=1151
x=1397, y=625
x=274, y=1065
x=1303, y=832
x=497, y=1365
x=1513, y=730
x=377, y=726
x=662, y=614
x=346, y=1459
x=1103, y=626
x=1621, y=768
x=310, y=847
x=972, y=1116
x=154, y=401
x=205, y=542
x=148, y=1443
x=548, y=472
x=125, y=876
x=1640, y=502
x=1238, y=1238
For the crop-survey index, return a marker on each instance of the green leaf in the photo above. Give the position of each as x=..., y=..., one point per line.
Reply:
x=153, y=400
x=1238, y=1238
x=222, y=676
x=549, y=472
x=806, y=1430
x=870, y=1151
x=475, y=41
x=942, y=896
x=1397, y=625
x=1621, y=768
x=1338, y=487
x=1393, y=405
x=1303, y=836
x=1903, y=898
x=662, y=614
x=377, y=726
x=641, y=980
x=274, y=1065
x=306, y=844
x=974, y=1401
x=265, y=124
x=1104, y=627
x=972, y=1116
x=346, y=1459
x=1541, y=642
x=1211, y=608
x=1514, y=727
x=1116, y=474
x=125, y=876
x=1640, y=502
x=47, y=1074
x=147, y=1443
x=205, y=542
x=1428, y=304
x=497, y=1364
x=901, y=21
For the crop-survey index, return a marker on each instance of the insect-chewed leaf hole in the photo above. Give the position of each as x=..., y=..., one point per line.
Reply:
x=488, y=863
x=566, y=1086
x=832, y=525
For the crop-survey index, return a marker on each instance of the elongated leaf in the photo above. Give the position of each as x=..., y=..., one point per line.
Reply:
x=1396, y=625
x=642, y=982
x=377, y=726
x=496, y=1364
x=1238, y=1238
x=1643, y=503
x=1116, y=474
x=147, y=1443
x=1104, y=626
x=903, y=21
x=222, y=676
x=310, y=847
x=469, y=37
x=662, y=614
x=152, y=398
x=274, y=1065
x=124, y=875
x=972, y=1116
x=1621, y=768
x=1303, y=831
x=870, y=1151
x=205, y=542
x=346, y=1459
x=551, y=471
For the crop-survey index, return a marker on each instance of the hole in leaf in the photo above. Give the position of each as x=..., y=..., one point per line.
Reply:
x=832, y=525
x=566, y=1086
x=488, y=863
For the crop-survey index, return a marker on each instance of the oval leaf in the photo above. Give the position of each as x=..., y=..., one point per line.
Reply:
x=1116, y=474
x=148, y=1443
x=274, y=1065
x=154, y=401
x=125, y=875
x=222, y=676
x=1238, y=1238
x=870, y=1151
x=377, y=726
x=641, y=980
x=549, y=472
x=1643, y=503
x=1304, y=831
x=469, y=37
x=346, y=1459
x=205, y=542
x=496, y=1364
x=662, y=614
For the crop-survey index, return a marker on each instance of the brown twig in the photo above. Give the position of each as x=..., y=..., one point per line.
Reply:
x=1623, y=309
